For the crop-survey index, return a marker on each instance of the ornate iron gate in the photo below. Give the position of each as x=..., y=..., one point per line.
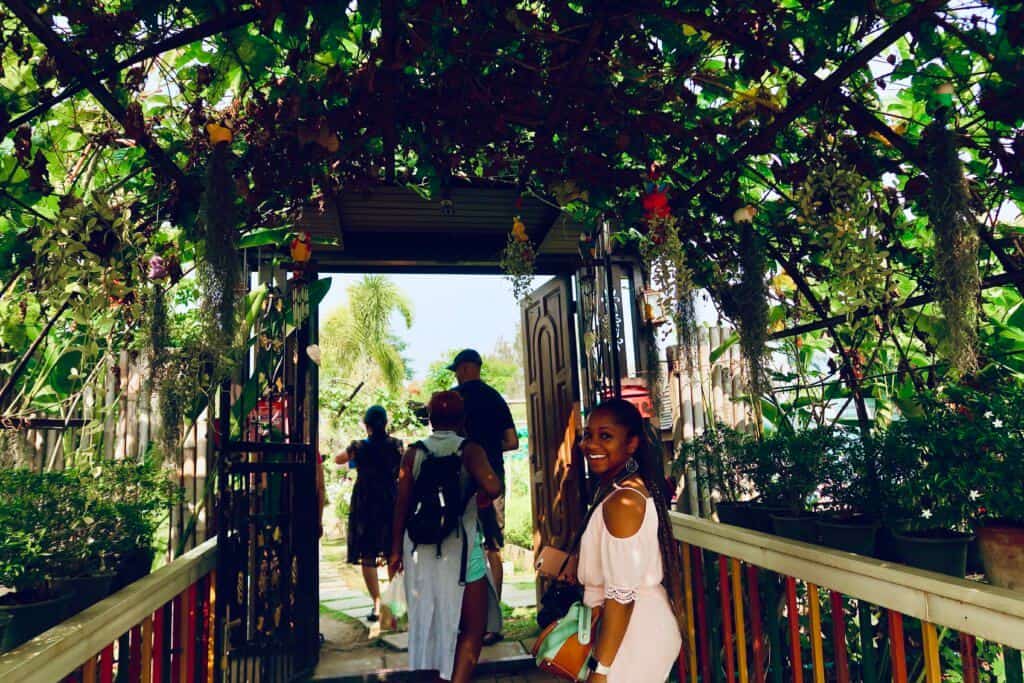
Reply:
x=267, y=569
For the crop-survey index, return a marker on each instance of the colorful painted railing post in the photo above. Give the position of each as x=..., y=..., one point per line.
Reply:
x=775, y=667
x=756, y=632
x=896, y=647
x=741, y=628
x=868, y=672
x=702, y=618
x=817, y=648
x=1014, y=671
x=839, y=637
x=691, y=640
x=795, y=654
x=727, y=629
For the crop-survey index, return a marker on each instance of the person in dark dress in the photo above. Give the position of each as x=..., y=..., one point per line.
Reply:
x=375, y=460
x=488, y=423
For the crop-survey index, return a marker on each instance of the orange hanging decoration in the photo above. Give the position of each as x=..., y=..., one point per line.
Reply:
x=218, y=134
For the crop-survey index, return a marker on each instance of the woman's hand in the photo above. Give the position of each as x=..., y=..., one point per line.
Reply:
x=394, y=564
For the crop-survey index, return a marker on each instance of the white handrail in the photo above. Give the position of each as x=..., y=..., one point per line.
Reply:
x=988, y=612
x=54, y=654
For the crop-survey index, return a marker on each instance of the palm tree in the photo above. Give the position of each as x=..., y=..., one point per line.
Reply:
x=357, y=340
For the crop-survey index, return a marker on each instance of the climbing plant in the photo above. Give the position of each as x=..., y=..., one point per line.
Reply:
x=752, y=103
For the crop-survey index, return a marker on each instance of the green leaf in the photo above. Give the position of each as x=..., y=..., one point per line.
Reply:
x=67, y=373
x=262, y=237
x=717, y=352
x=318, y=290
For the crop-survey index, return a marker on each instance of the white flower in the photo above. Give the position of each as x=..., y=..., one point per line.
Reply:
x=997, y=423
x=974, y=495
x=775, y=478
x=988, y=415
x=927, y=514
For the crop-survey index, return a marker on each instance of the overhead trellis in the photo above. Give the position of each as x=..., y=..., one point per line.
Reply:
x=733, y=104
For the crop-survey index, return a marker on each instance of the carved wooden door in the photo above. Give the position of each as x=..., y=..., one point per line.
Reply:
x=553, y=411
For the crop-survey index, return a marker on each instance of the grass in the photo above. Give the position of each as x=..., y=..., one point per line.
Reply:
x=339, y=616
x=519, y=623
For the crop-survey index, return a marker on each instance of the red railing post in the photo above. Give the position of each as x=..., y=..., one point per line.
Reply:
x=756, y=633
x=839, y=637
x=135, y=654
x=107, y=664
x=188, y=661
x=159, y=654
x=897, y=647
x=969, y=657
x=178, y=607
x=796, y=656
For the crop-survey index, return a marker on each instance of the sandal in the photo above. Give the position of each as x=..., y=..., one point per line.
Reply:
x=373, y=616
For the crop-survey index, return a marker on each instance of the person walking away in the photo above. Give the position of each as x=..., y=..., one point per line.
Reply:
x=629, y=563
x=437, y=541
x=488, y=423
x=376, y=460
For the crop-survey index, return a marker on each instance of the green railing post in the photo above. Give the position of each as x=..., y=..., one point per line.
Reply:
x=1011, y=657
x=867, y=643
x=775, y=658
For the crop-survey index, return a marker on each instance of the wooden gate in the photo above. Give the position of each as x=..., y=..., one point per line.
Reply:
x=267, y=567
x=553, y=410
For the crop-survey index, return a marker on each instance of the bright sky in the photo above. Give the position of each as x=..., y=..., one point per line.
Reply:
x=449, y=311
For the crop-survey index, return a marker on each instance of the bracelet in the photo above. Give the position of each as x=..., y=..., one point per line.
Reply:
x=597, y=667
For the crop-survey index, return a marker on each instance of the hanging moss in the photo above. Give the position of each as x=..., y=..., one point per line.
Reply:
x=957, y=280
x=219, y=269
x=750, y=303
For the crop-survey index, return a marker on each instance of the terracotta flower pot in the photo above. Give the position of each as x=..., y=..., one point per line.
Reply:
x=1002, y=551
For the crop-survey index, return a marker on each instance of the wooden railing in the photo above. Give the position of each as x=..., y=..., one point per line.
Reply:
x=764, y=608
x=158, y=629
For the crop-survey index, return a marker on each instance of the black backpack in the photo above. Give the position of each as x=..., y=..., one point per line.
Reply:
x=437, y=499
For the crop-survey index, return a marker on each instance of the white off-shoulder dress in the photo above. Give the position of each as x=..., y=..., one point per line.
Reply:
x=630, y=570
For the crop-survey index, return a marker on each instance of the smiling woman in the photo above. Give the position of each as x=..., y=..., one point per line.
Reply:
x=628, y=562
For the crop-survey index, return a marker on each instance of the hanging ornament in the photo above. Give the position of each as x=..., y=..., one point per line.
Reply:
x=518, y=259
x=302, y=247
x=218, y=134
x=157, y=268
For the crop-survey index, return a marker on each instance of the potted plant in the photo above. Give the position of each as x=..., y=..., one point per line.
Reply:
x=994, y=476
x=786, y=470
x=714, y=456
x=851, y=490
x=81, y=559
x=32, y=519
x=140, y=494
x=923, y=461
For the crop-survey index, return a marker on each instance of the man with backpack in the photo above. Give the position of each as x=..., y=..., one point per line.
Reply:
x=488, y=423
x=438, y=543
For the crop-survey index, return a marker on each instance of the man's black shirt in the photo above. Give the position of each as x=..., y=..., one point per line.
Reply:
x=487, y=418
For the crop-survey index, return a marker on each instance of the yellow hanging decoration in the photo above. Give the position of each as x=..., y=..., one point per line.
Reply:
x=218, y=134
x=519, y=230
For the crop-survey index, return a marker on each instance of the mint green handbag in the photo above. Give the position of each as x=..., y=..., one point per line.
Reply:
x=564, y=647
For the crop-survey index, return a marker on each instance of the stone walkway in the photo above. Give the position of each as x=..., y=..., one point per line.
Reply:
x=353, y=654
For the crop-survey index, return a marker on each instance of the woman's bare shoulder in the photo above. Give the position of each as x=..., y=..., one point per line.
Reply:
x=624, y=511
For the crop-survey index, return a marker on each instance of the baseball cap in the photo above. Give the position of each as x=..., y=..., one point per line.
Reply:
x=465, y=356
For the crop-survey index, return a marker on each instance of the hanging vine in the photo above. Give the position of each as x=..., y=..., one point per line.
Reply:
x=747, y=304
x=957, y=280
x=840, y=210
x=664, y=254
x=219, y=272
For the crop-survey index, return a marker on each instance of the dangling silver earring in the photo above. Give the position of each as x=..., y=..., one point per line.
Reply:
x=631, y=466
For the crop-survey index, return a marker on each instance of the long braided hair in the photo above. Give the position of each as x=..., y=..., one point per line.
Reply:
x=626, y=415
